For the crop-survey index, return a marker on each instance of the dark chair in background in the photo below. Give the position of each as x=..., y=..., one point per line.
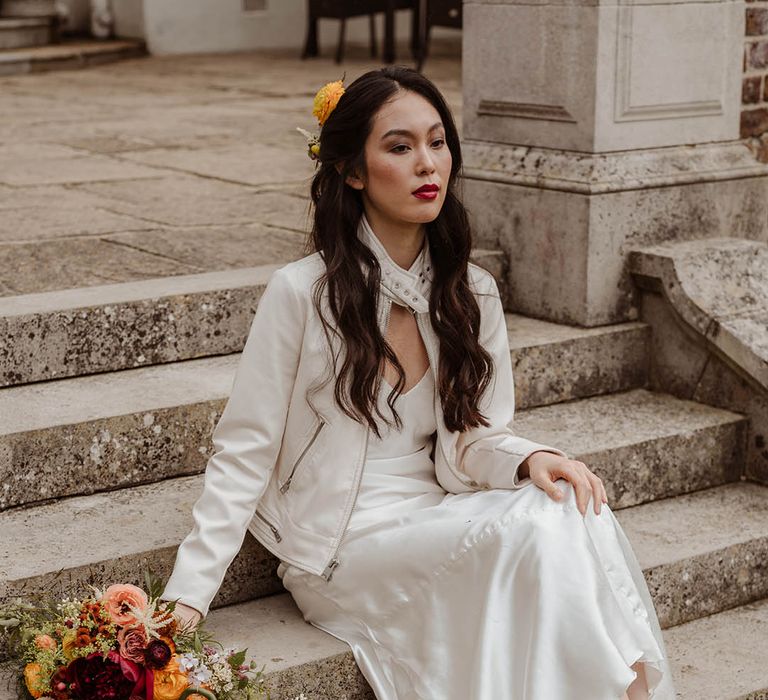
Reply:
x=344, y=9
x=426, y=14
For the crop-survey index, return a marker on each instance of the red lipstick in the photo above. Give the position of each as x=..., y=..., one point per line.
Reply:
x=427, y=192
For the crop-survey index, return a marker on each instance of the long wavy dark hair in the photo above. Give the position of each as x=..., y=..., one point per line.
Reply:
x=352, y=274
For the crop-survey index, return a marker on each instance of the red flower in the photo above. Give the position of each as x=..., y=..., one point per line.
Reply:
x=94, y=678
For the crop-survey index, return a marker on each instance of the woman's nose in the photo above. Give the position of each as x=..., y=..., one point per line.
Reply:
x=426, y=163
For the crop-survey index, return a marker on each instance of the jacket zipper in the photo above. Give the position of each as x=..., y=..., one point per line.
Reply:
x=334, y=563
x=287, y=484
x=271, y=527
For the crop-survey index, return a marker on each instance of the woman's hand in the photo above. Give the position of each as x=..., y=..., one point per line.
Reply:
x=545, y=468
x=186, y=616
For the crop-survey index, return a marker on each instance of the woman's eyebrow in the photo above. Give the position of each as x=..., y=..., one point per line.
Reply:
x=405, y=132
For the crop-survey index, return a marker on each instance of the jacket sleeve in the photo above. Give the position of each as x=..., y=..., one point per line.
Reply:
x=246, y=443
x=492, y=455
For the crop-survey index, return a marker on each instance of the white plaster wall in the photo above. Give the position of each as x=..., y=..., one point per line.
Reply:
x=192, y=26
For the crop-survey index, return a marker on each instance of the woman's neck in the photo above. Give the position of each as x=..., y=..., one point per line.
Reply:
x=402, y=243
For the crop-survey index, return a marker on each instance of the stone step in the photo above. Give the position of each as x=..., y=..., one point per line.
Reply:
x=28, y=8
x=85, y=434
x=68, y=55
x=21, y=32
x=718, y=657
x=702, y=552
x=103, y=328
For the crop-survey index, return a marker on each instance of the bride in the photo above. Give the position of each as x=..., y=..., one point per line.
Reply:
x=368, y=443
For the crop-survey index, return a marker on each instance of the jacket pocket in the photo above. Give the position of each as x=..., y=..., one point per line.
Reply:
x=275, y=531
x=314, y=435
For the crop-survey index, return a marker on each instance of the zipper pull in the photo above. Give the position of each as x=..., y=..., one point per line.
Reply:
x=328, y=572
x=286, y=485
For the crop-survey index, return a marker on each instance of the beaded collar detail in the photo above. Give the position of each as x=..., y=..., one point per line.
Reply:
x=409, y=287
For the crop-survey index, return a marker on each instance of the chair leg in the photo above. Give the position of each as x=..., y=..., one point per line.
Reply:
x=310, y=45
x=372, y=25
x=342, y=34
x=389, y=34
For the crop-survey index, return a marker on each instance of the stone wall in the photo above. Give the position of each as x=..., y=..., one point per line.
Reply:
x=754, y=97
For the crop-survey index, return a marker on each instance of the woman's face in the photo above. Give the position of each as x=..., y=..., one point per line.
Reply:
x=405, y=150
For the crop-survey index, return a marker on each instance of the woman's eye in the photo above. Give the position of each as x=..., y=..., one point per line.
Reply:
x=402, y=145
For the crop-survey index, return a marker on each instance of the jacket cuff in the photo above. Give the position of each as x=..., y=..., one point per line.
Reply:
x=199, y=605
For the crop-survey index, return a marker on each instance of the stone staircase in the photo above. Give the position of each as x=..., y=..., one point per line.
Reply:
x=109, y=395
x=30, y=41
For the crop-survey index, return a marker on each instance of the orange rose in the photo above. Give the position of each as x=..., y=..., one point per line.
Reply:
x=170, y=682
x=117, y=599
x=326, y=99
x=44, y=641
x=35, y=680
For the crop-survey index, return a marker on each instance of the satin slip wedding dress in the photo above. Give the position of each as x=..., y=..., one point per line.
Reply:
x=489, y=595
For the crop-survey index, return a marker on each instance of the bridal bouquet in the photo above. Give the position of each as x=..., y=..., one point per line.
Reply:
x=121, y=643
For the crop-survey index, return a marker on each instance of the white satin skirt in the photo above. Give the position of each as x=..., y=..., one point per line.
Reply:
x=490, y=595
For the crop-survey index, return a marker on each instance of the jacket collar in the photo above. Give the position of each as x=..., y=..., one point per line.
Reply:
x=409, y=287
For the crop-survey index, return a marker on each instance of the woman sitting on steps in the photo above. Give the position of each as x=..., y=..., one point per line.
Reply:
x=368, y=443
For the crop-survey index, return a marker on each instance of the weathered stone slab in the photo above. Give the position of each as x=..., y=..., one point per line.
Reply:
x=643, y=445
x=701, y=652
x=105, y=431
x=112, y=536
x=702, y=552
x=100, y=329
x=104, y=328
x=108, y=431
x=68, y=55
x=119, y=531
x=555, y=362
x=719, y=287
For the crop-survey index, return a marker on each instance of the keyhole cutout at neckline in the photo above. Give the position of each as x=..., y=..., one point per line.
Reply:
x=404, y=338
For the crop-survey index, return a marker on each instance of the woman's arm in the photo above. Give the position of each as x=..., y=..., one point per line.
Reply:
x=246, y=442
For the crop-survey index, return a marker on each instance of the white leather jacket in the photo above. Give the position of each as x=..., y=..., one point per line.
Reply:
x=288, y=462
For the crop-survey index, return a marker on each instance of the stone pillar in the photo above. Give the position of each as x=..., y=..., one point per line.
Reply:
x=591, y=127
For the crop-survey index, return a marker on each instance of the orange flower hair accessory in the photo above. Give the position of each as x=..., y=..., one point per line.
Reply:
x=325, y=102
x=326, y=99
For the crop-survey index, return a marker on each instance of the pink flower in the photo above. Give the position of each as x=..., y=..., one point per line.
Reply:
x=133, y=641
x=117, y=599
x=44, y=641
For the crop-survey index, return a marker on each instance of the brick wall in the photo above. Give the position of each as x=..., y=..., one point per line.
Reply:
x=754, y=93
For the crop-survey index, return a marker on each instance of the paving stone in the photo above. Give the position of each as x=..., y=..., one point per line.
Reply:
x=72, y=262
x=26, y=214
x=186, y=200
x=80, y=262
x=19, y=167
x=250, y=164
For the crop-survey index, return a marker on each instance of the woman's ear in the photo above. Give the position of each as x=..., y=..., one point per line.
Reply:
x=352, y=180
